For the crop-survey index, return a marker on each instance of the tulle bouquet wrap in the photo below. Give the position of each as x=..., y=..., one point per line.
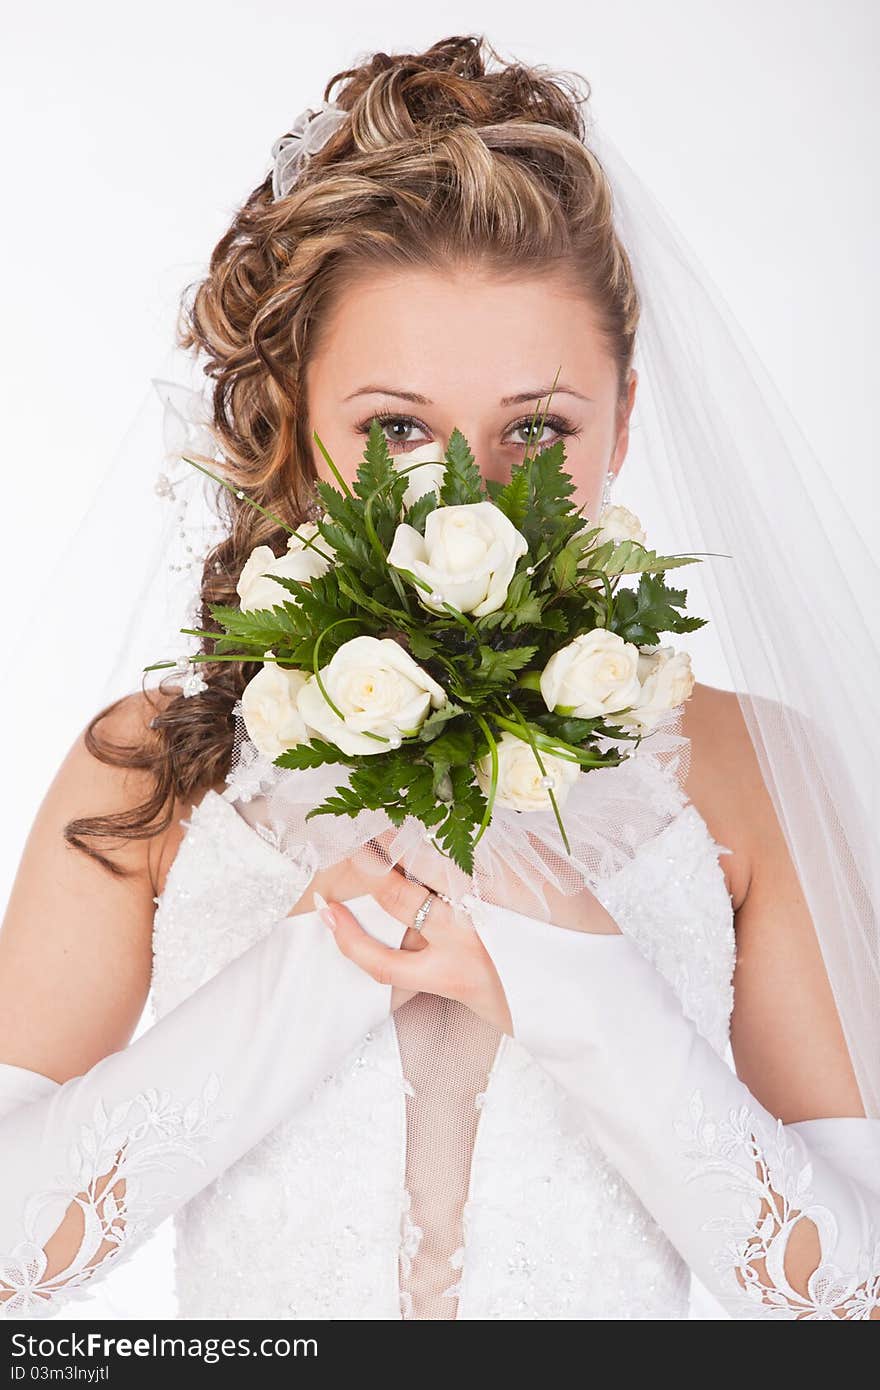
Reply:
x=452, y=660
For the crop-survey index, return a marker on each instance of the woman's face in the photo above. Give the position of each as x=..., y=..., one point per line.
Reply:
x=430, y=351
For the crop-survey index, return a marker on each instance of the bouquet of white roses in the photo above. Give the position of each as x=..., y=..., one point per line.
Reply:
x=456, y=643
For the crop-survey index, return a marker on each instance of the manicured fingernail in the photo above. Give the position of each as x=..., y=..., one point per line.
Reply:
x=324, y=911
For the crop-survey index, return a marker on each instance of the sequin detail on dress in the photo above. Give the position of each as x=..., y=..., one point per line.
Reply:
x=317, y=1219
x=336, y=1214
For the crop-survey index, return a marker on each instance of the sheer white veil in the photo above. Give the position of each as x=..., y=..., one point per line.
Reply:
x=716, y=466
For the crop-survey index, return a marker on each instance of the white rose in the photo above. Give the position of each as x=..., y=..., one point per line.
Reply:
x=428, y=478
x=379, y=689
x=298, y=562
x=520, y=784
x=593, y=675
x=619, y=524
x=468, y=556
x=666, y=679
x=268, y=706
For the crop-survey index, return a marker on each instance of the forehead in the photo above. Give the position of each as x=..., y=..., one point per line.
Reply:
x=431, y=330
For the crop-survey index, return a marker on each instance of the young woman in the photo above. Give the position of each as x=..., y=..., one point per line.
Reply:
x=482, y=1115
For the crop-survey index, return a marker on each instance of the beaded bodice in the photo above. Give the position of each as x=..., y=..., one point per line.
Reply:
x=437, y=1173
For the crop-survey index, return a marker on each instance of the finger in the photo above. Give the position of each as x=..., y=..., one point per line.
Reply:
x=437, y=870
x=413, y=940
x=399, y=896
x=358, y=873
x=387, y=965
x=345, y=878
x=340, y=880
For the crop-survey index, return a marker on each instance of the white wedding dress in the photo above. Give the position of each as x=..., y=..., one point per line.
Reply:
x=437, y=1173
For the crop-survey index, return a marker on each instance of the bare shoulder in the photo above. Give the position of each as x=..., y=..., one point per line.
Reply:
x=130, y=723
x=86, y=785
x=76, y=937
x=725, y=781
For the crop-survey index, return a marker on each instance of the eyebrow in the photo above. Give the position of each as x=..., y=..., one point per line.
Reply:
x=417, y=399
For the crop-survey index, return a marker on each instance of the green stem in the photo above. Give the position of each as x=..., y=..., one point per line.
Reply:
x=609, y=601
x=264, y=511
x=567, y=751
x=530, y=680
x=199, y=658
x=493, y=785
x=309, y=544
x=331, y=465
x=380, y=738
x=372, y=534
x=529, y=736
x=460, y=617
x=237, y=492
x=543, y=419
x=373, y=537
x=413, y=467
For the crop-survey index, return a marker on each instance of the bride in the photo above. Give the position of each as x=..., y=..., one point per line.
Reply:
x=358, y=1098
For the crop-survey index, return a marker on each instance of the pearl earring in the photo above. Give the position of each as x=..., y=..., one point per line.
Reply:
x=314, y=508
x=606, y=490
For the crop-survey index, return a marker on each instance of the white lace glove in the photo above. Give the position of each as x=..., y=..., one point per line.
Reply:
x=727, y=1181
x=177, y=1106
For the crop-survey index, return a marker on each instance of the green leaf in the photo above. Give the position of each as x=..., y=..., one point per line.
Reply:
x=569, y=729
x=319, y=603
x=518, y=590
x=260, y=626
x=423, y=645
x=550, y=495
x=376, y=470
x=521, y=606
x=513, y=499
x=374, y=784
x=442, y=784
x=347, y=512
x=565, y=568
x=454, y=746
x=629, y=557
x=421, y=798
x=458, y=830
x=344, y=803
x=352, y=547
x=551, y=620
x=418, y=513
x=528, y=613
x=641, y=615
x=438, y=719
x=462, y=483
x=499, y=667
x=313, y=754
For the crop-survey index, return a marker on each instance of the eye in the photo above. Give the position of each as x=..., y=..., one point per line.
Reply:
x=395, y=441
x=535, y=433
x=401, y=427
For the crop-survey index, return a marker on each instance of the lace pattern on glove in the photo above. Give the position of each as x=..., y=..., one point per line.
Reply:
x=149, y=1132
x=770, y=1168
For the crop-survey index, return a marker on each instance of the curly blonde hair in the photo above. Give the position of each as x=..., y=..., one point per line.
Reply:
x=450, y=156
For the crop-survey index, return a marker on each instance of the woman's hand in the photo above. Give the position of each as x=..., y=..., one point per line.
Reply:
x=446, y=957
x=459, y=960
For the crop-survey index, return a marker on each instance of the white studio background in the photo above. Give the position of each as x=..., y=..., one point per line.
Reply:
x=135, y=134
